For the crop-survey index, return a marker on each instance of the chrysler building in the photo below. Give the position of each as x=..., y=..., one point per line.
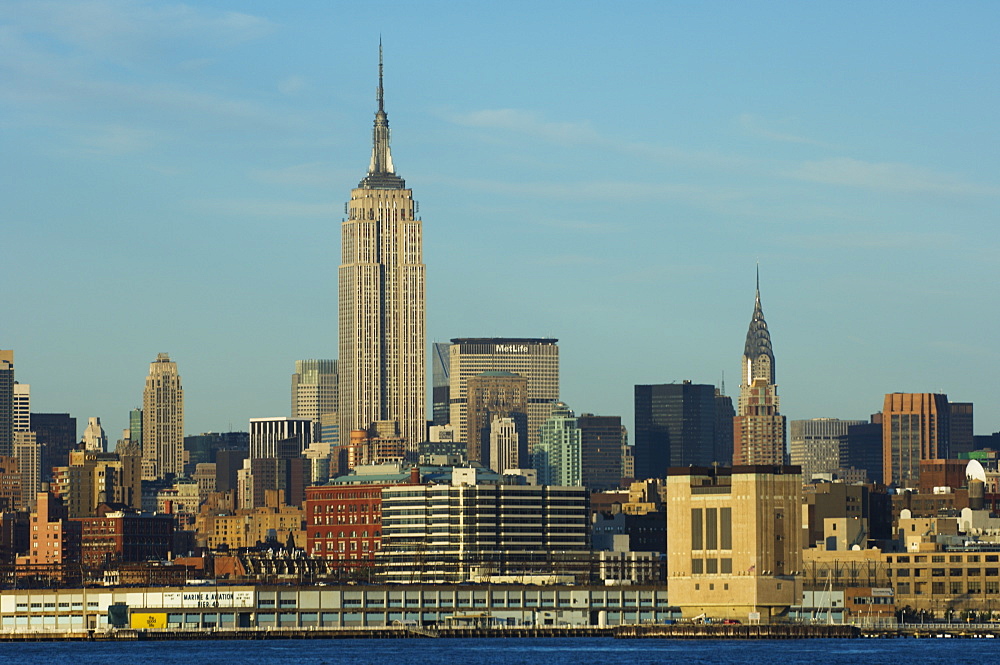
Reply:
x=758, y=429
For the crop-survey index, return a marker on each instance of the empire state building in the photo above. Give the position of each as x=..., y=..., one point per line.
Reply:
x=381, y=312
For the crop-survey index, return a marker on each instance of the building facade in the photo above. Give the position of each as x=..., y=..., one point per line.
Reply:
x=734, y=544
x=915, y=426
x=602, y=440
x=537, y=360
x=279, y=437
x=675, y=425
x=558, y=456
x=820, y=445
x=461, y=532
x=55, y=434
x=381, y=299
x=440, y=383
x=6, y=402
x=315, y=392
x=162, y=421
x=494, y=395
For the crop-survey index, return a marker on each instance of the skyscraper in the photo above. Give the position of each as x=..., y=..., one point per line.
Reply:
x=602, y=439
x=381, y=299
x=440, y=382
x=314, y=391
x=26, y=448
x=915, y=426
x=22, y=407
x=56, y=437
x=537, y=360
x=6, y=403
x=557, y=456
x=675, y=425
x=759, y=428
x=960, y=438
x=162, y=420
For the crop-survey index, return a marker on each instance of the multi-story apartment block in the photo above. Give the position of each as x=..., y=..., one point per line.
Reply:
x=121, y=536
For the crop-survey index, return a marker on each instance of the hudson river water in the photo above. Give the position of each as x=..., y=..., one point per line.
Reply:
x=548, y=651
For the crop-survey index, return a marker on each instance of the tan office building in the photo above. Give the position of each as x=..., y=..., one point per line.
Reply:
x=734, y=541
x=162, y=421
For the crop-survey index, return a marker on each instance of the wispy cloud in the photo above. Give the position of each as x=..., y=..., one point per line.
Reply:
x=875, y=241
x=122, y=29
x=527, y=122
x=261, y=208
x=291, y=85
x=57, y=53
x=116, y=140
x=314, y=174
x=584, y=226
x=756, y=126
x=887, y=176
x=583, y=133
x=567, y=260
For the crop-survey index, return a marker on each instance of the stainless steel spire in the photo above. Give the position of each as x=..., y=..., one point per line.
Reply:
x=381, y=174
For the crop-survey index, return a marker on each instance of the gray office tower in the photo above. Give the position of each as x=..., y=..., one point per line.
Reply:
x=440, y=382
x=676, y=425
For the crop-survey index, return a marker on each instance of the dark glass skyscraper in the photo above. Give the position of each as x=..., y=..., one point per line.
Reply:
x=601, y=441
x=675, y=425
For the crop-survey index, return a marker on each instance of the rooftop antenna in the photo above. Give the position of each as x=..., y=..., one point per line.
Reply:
x=378, y=95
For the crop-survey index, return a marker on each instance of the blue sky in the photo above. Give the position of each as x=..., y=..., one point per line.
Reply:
x=173, y=179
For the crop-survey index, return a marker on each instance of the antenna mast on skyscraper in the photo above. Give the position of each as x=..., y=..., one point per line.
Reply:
x=378, y=94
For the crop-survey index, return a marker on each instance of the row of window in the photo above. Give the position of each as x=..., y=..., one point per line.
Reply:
x=950, y=588
x=940, y=558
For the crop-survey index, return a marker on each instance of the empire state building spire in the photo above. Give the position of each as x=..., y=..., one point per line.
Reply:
x=381, y=174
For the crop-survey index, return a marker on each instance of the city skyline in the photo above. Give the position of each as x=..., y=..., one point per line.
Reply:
x=616, y=199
